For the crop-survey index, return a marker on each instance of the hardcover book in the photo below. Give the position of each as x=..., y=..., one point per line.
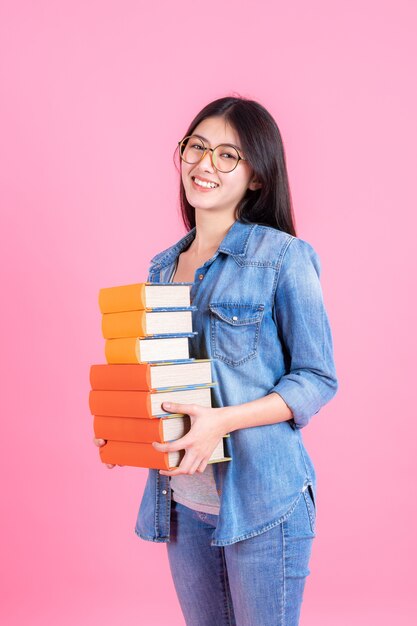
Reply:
x=145, y=404
x=145, y=349
x=147, y=323
x=136, y=429
x=144, y=296
x=145, y=455
x=148, y=376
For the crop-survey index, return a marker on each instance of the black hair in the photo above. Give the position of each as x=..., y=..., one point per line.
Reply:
x=262, y=145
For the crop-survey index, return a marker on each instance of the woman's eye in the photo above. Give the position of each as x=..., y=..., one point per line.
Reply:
x=228, y=155
x=196, y=146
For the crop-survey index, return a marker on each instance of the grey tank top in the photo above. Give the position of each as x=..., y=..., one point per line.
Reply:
x=197, y=491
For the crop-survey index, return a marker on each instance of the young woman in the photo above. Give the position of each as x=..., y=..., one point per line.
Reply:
x=239, y=533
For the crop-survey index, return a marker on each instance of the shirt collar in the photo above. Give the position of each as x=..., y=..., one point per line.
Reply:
x=234, y=243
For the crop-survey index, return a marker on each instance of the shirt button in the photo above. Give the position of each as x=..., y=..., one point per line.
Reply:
x=164, y=491
x=234, y=318
x=200, y=276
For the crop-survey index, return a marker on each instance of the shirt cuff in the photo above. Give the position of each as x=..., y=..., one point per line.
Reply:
x=303, y=397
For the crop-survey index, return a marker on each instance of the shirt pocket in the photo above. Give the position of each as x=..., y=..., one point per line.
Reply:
x=235, y=328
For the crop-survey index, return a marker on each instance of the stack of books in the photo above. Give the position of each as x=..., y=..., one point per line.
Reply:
x=146, y=328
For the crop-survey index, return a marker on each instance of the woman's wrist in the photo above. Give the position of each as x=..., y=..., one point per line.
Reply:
x=229, y=418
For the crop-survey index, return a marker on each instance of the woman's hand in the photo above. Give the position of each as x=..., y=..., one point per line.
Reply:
x=99, y=443
x=208, y=426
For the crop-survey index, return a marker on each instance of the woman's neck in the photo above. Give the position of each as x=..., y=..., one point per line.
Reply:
x=210, y=232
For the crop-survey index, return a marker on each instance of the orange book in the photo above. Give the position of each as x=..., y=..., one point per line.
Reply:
x=145, y=404
x=146, y=323
x=147, y=376
x=143, y=350
x=124, y=324
x=134, y=454
x=145, y=455
x=141, y=430
x=121, y=376
x=144, y=296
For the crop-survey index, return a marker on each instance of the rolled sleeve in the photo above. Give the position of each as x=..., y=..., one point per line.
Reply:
x=304, y=330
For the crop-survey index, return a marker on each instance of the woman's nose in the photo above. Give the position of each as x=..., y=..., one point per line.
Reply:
x=207, y=160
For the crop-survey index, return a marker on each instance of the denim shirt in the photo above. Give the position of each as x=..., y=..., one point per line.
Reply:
x=261, y=319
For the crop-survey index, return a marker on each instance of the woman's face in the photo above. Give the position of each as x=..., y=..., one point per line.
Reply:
x=231, y=187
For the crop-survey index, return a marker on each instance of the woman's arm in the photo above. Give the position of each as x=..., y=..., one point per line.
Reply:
x=304, y=329
x=209, y=425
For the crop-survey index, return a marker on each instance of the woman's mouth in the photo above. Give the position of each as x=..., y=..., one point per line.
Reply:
x=203, y=184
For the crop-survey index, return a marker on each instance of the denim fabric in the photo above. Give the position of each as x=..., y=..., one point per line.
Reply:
x=261, y=319
x=257, y=581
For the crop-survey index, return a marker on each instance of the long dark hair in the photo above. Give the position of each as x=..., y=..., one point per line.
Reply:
x=262, y=145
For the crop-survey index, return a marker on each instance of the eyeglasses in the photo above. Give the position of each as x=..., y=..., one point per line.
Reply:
x=224, y=157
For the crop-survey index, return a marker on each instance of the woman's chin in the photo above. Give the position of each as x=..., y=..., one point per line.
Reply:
x=199, y=202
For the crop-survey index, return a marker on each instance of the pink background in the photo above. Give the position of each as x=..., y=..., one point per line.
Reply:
x=94, y=96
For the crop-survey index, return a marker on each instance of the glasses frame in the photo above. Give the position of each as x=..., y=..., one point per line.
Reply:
x=207, y=149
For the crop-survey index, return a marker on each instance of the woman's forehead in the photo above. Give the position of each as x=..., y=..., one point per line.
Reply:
x=217, y=130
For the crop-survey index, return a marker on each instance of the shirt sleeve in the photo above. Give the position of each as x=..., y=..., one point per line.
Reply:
x=304, y=329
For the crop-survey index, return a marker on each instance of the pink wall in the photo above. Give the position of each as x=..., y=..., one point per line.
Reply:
x=85, y=86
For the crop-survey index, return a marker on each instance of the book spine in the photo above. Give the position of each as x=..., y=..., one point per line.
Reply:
x=121, y=377
x=124, y=324
x=122, y=403
x=123, y=298
x=128, y=429
x=122, y=351
x=133, y=454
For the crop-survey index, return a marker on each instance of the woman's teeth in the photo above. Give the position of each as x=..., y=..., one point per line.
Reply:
x=203, y=183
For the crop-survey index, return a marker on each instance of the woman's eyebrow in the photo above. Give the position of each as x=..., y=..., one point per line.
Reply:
x=223, y=143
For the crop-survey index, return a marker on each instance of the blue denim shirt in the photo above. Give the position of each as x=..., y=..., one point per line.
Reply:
x=261, y=319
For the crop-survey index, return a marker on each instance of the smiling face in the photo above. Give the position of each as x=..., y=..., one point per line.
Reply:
x=230, y=187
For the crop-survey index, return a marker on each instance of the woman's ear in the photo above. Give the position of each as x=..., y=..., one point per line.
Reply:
x=254, y=184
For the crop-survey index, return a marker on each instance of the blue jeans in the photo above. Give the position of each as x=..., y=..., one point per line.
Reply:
x=255, y=582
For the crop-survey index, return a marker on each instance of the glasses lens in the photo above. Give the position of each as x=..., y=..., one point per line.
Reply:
x=191, y=149
x=225, y=158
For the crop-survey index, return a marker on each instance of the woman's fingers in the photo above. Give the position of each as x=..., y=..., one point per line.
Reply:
x=189, y=465
x=195, y=466
x=202, y=467
x=171, y=446
x=99, y=443
x=175, y=407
